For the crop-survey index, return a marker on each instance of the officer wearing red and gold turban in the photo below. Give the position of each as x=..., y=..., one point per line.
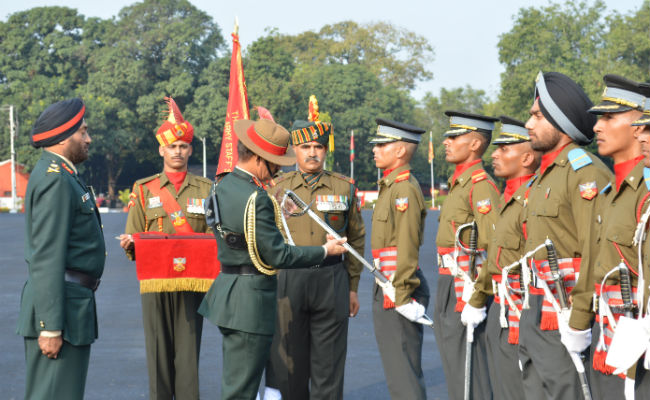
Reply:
x=170, y=202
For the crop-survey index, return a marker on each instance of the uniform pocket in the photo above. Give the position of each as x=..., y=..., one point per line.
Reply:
x=154, y=213
x=548, y=208
x=80, y=326
x=620, y=233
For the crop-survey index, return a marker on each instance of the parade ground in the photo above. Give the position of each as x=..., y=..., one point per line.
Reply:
x=117, y=361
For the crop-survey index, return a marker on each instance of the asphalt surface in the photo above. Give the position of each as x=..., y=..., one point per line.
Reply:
x=118, y=363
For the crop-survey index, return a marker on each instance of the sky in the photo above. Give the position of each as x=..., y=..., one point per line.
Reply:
x=464, y=34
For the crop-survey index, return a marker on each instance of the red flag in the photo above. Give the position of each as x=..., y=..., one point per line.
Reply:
x=430, y=148
x=237, y=109
x=264, y=113
x=352, y=146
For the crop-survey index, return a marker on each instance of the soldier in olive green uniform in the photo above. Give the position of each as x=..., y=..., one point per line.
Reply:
x=310, y=343
x=625, y=198
x=472, y=196
x=397, y=234
x=65, y=253
x=172, y=326
x=515, y=161
x=562, y=205
x=242, y=300
x=642, y=380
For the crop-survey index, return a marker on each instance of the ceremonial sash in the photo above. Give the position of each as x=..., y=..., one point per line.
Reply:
x=387, y=258
x=462, y=263
x=569, y=269
x=612, y=294
x=175, y=262
x=508, y=316
x=171, y=206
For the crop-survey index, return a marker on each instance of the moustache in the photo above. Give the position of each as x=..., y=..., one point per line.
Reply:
x=315, y=158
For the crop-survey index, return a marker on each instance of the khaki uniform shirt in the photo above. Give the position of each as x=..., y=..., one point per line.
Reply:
x=619, y=214
x=556, y=209
x=468, y=201
x=146, y=213
x=340, y=211
x=398, y=221
x=506, y=245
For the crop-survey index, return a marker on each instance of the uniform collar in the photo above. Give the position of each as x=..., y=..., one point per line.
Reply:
x=623, y=172
x=297, y=181
x=558, y=157
x=512, y=185
x=68, y=162
x=466, y=175
x=460, y=168
x=634, y=178
x=388, y=180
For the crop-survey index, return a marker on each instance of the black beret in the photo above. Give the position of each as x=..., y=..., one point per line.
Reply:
x=58, y=122
x=566, y=106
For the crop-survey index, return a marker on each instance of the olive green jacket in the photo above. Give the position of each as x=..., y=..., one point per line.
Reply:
x=506, y=245
x=466, y=196
x=248, y=302
x=62, y=231
x=403, y=229
x=619, y=215
x=342, y=214
x=146, y=214
x=556, y=209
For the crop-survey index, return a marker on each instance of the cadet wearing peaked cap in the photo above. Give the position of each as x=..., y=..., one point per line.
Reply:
x=623, y=200
x=473, y=196
x=397, y=234
x=515, y=161
x=563, y=203
x=645, y=118
x=65, y=254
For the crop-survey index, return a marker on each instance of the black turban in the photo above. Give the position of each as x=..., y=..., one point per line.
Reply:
x=58, y=122
x=566, y=106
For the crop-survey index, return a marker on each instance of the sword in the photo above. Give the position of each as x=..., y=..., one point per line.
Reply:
x=555, y=274
x=424, y=320
x=470, y=330
x=626, y=290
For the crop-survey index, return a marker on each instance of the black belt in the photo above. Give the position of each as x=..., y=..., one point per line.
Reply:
x=82, y=279
x=330, y=260
x=240, y=269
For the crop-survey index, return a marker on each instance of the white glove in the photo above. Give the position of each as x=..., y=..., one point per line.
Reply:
x=388, y=289
x=574, y=341
x=412, y=311
x=271, y=393
x=472, y=316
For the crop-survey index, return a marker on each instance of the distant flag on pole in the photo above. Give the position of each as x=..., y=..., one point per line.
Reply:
x=237, y=107
x=352, y=146
x=430, y=147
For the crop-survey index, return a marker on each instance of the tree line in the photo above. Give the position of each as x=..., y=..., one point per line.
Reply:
x=123, y=67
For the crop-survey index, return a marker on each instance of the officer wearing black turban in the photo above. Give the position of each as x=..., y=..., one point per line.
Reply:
x=65, y=253
x=561, y=206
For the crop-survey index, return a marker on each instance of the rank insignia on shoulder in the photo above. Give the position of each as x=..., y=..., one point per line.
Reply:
x=484, y=206
x=179, y=264
x=54, y=167
x=588, y=190
x=154, y=202
x=196, y=206
x=403, y=176
x=402, y=204
x=578, y=158
x=479, y=175
x=65, y=167
x=331, y=202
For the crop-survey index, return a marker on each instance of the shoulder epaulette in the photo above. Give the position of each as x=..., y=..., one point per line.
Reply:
x=646, y=177
x=147, y=179
x=341, y=176
x=204, y=180
x=284, y=177
x=607, y=188
x=578, y=159
x=479, y=175
x=403, y=176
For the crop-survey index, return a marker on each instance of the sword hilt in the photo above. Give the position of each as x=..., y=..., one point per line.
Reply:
x=297, y=200
x=472, y=247
x=626, y=289
x=555, y=273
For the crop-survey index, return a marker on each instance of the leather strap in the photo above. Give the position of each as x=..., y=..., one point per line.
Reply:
x=171, y=206
x=82, y=279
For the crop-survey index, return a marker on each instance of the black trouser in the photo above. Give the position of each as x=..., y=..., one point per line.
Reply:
x=451, y=338
x=547, y=369
x=603, y=387
x=310, y=343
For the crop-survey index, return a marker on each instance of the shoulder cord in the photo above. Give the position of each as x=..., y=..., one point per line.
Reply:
x=249, y=233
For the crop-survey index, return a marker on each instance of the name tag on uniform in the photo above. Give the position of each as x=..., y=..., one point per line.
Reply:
x=331, y=203
x=196, y=206
x=85, y=197
x=154, y=202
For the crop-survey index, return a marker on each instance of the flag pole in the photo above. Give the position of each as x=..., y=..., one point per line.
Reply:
x=352, y=154
x=433, y=190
